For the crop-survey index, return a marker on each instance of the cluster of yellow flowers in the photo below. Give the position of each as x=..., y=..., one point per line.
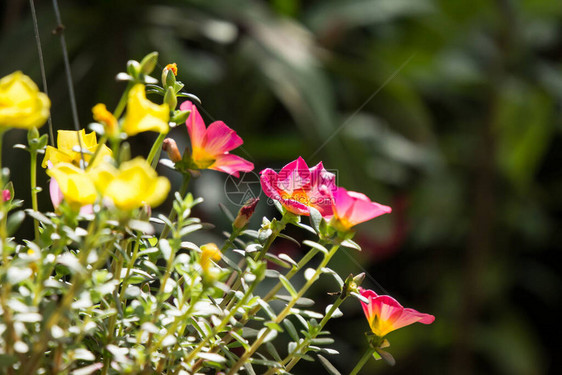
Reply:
x=133, y=184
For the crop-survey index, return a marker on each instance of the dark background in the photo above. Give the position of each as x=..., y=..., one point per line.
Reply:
x=448, y=111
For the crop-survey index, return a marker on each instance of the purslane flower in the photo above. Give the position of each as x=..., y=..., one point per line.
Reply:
x=21, y=103
x=351, y=208
x=385, y=314
x=134, y=184
x=75, y=184
x=210, y=146
x=209, y=252
x=143, y=115
x=298, y=187
x=67, y=150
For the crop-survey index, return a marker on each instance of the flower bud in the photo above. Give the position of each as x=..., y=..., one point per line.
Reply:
x=6, y=195
x=106, y=118
x=170, y=146
x=169, y=75
x=170, y=98
x=245, y=214
x=148, y=63
x=133, y=68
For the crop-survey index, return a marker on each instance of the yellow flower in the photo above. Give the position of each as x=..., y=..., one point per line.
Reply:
x=209, y=252
x=134, y=184
x=103, y=116
x=76, y=185
x=143, y=115
x=21, y=103
x=67, y=151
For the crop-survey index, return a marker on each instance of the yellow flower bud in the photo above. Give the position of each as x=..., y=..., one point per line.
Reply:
x=103, y=116
x=21, y=103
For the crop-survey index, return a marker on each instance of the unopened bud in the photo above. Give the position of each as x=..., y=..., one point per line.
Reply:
x=6, y=195
x=106, y=118
x=170, y=146
x=169, y=75
x=245, y=214
x=170, y=98
x=148, y=63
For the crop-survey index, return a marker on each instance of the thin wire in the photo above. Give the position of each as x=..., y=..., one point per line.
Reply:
x=60, y=31
x=42, y=65
x=340, y=128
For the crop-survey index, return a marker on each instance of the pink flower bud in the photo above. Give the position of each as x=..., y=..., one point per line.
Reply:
x=171, y=148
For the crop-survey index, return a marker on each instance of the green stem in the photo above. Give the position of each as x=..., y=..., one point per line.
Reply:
x=33, y=177
x=173, y=213
x=283, y=314
x=292, y=359
x=223, y=322
x=123, y=101
x=156, y=148
x=362, y=361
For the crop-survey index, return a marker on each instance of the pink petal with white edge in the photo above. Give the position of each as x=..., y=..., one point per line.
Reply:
x=221, y=139
x=294, y=176
x=195, y=125
x=268, y=181
x=232, y=164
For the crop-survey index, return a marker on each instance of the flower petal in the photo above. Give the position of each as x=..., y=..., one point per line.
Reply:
x=221, y=139
x=293, y=176
x=232, y=164
x=268, y=181
x=195, y=125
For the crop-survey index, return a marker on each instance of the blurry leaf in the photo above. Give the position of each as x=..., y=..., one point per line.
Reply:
x=328, y=366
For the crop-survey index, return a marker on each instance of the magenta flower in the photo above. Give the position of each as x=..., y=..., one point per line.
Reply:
x=351, y=208
x=6, y=196
x=385, y=314
x=210, y=146
x=298, y=187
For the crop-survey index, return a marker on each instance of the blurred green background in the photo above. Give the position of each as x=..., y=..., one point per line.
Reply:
x=448, y=111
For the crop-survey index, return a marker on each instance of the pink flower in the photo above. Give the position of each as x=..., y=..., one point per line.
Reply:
x=210, y=146
x=385, y=314
x=297, y=187
x=6, y=196
x=351, y=208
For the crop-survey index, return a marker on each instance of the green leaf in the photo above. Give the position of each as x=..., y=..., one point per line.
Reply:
x=328, y=366
x=291, y=330
x=274, y=326
x=315, y=245
x=287, y=284
x=303, y=301
x=386, y=356
x=14, y=222
x=351, y=244
x=315, y=218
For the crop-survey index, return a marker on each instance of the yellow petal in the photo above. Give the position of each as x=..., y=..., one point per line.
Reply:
x=144, y=115
x=21, y=103
x=75, y=184
x=55, y=156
